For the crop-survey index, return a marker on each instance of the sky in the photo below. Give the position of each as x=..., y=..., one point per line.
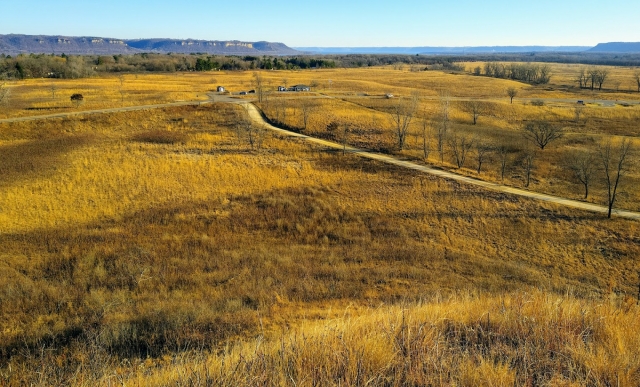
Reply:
x=336, y=23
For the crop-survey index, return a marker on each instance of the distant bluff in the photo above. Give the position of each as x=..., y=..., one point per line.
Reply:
x=617, y=47
x=45, y=44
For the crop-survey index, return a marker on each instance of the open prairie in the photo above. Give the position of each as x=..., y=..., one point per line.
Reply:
x=184, y=245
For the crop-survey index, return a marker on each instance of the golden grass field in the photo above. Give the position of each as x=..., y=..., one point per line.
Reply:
x=158, y=248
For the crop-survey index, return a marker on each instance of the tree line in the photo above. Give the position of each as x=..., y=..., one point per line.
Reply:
x=524, y=72
x=77, y=66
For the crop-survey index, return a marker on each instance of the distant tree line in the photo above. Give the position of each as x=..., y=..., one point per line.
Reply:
x=75, y=66
x=586, y=58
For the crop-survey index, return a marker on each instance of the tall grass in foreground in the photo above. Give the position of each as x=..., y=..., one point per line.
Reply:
x=519, y=339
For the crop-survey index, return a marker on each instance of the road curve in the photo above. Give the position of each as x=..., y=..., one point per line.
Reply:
x=255, y=116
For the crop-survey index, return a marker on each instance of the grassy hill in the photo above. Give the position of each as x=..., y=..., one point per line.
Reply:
x=160, y=247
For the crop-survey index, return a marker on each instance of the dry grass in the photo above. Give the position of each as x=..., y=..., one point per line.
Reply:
x=521, y=339
x=364, y=113
x=142, y=247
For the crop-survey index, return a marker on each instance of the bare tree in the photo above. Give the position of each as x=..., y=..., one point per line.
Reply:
x=503, y=154
x=247, y=132
x=544, y=76
x=542, y=133
x=280, y=105
x=613, y=166
x=256, y=136
x=426, y=137
x=482, y=150
x=258, y=83
x=402, y=113
x=582, y=166
x=460, y=146
x=475, y=108
x=512, y=92
x=527, y=164
x=240, y=126
x=344, y=137
x=443, y=127
x=592, y=73
x=307, y=108
x=339, y=132
x=121, y=89
x=601, y=76
x=583, y=78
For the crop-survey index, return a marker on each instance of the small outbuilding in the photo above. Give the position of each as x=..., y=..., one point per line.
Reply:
x=282, y=88
x=220, y=89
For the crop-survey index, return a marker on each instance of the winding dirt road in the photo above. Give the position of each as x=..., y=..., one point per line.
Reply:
x=255, y=116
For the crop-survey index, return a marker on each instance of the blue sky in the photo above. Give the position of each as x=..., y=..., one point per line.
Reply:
x=335, y=23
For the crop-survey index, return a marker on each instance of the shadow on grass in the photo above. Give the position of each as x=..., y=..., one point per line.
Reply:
x=296, y=243
x=35, y=158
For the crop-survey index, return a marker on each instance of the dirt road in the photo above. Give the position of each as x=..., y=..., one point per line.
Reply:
x=257, y=117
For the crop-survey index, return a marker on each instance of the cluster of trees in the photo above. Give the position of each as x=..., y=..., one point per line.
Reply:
x=300, y=63
x=524, y=72
x=44, y=66
x=607, y=162
x=589, y=78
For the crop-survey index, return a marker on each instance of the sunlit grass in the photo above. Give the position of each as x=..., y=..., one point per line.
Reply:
x=157, y=247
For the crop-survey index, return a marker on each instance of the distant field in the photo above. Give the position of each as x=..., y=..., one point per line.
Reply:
x=161, y=247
